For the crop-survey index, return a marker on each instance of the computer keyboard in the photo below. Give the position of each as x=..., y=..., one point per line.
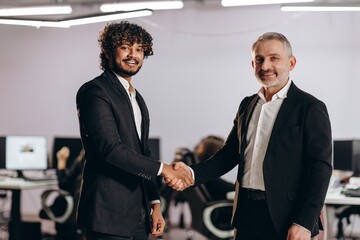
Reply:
x=41, y=178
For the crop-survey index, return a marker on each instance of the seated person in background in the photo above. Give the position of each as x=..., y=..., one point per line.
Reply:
x=207, y=147
x=68, y=176
x=217, y=188
x=69, y=179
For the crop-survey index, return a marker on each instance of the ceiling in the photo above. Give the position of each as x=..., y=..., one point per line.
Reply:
x=88, y=7
x=91, y=7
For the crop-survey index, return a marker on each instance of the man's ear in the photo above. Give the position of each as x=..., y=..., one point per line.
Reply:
x=292, y=62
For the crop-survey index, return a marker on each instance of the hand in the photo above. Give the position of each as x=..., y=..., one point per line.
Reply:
x=62, y=156
x=178, y=176
x=158, y=222
x=298, y=233
x=176, y=183
x=81, y=155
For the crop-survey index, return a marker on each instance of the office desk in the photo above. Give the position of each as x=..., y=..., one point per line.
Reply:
x=334, y=197
x=15, y=185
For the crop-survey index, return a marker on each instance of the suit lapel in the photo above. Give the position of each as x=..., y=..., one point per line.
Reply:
x=245, y=120
x=120, y=88
x=144, y=115
x=285, y=111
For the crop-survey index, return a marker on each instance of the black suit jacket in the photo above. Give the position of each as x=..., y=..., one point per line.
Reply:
x=297, y=165
x=119, y=175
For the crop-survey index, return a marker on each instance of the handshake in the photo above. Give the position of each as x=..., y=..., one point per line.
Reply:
x=177, y=176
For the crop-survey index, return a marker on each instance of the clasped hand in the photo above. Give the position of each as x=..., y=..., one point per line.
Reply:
x=177, y=176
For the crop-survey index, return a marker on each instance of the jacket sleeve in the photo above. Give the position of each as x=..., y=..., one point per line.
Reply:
x=98, y=128
x=317, y=154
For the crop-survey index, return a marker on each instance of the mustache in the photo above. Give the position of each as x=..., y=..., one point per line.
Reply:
x=131, y=59
x=266, y=71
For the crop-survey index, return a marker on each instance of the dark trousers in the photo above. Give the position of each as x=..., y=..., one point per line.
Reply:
x=141, y=233
x=253, y=220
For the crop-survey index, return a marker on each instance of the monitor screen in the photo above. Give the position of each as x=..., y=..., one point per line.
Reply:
x=347, y=155
x=73, y=143
x=154, y=145
x=2, y=152
x=26, y=153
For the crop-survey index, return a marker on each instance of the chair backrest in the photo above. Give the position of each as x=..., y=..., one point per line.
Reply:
x=208, y=216
x=202, y=206
x=62, y=207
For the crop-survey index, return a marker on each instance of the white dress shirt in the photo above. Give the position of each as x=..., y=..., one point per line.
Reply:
x=258, y=135
x=137, y=114
x=134, y=104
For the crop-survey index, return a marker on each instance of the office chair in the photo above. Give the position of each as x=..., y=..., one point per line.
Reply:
x=61, y=208
x=344, y=213
x=209, y=217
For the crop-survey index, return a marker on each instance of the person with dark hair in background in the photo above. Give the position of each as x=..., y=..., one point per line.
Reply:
x=69, y=178
x=119, y=199
x=281, y=141
x=207, y=147
x=217, y=188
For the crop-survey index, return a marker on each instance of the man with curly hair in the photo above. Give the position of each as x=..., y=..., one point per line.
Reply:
x=119, y=199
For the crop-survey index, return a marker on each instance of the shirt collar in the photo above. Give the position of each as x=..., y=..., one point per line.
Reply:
x=279, y=95
x=125, y=83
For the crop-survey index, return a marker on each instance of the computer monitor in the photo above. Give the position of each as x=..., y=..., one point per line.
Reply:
x=347, y=155
x=26, y=153
x=2, y=152
x=73, y=143
x=75, y=146
x=154, y=145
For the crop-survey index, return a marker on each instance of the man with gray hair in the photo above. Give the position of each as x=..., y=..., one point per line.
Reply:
x=281, y=141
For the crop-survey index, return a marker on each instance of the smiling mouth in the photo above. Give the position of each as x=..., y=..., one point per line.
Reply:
x=266, y=74
x=131, y=62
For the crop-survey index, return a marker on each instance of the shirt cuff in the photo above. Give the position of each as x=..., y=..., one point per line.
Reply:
x=160, y=169
x=302, y=227
x=155, y=201
x=192, y=173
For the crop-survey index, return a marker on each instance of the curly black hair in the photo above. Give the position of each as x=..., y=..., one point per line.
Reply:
x=116, y=34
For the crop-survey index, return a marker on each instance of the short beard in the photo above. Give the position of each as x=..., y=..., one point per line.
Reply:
x=123, y=72
x=120, y=71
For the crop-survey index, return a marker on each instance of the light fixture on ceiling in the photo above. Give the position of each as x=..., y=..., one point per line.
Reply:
x=233, y=3
x=130, y=6
x=325, y=7
x=66, y=23
x=39, y=10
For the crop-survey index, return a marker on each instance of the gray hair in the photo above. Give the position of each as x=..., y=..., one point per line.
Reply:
x=274, y=36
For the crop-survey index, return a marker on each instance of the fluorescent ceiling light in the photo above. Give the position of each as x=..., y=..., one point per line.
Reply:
x=106, y=18
x=130, y=6
x=76, y=21
x=322, y=7
x=233, y=3
x=40, y=10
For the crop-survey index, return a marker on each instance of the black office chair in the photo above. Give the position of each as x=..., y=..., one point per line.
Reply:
x=60, y=209
x=209, y=217
x=344, y=213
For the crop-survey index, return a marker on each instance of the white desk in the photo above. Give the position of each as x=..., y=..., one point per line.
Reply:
x=16, y=185
x=334, y=197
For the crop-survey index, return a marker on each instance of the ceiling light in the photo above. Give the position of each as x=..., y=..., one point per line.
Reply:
x=40, y=10
x=233, y=3
x=76, y=21
x=154, y=5
x=322, y=7
x=106, y=18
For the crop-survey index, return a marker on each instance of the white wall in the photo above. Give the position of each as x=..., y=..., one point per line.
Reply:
x=195, y=81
